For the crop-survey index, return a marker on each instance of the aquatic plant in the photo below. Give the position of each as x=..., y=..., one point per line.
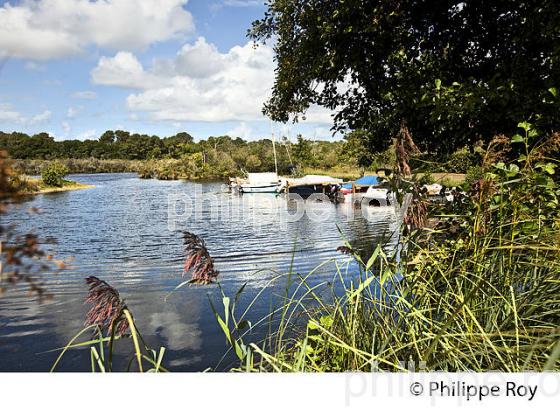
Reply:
x=111, y=315
x=346, y=250
x=108, y=307
x=198, y=260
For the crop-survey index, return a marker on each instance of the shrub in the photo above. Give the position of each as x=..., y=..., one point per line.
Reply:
x=53, y=174
x=461, y=160
x=473, y=174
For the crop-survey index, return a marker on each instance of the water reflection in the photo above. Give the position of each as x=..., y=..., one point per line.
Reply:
x=119, y=232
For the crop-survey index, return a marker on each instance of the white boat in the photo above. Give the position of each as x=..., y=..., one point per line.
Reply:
x=376, y=196
x=260, y=182
x=366, y=191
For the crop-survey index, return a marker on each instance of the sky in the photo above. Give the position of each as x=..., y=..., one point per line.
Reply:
x=75, y=68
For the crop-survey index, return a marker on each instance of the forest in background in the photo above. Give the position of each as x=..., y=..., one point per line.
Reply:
x=180, y=156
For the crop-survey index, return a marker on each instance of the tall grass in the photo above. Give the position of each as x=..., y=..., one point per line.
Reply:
x=479, y=290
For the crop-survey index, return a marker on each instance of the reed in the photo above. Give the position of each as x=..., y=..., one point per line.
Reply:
x=110, y=320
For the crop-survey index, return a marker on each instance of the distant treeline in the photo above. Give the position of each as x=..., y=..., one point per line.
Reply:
x=175, y=156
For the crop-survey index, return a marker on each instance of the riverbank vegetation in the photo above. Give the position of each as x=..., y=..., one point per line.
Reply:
x=216, y=158
x=477, y=289
x=38, y=186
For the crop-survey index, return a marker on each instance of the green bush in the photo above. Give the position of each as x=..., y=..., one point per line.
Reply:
x=53, y=174
x=473, y=175
x=461, y=160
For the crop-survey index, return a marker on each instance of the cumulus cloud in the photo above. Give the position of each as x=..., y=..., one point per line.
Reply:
x=10, y=116
x=199, y=84
x=42, y=117
x=45, y=29
x=88, y=134
x=123, y=70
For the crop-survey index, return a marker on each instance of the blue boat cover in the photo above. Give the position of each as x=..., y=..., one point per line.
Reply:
x=367, y=180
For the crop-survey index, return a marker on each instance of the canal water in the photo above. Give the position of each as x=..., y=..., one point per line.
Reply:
x=128, y=231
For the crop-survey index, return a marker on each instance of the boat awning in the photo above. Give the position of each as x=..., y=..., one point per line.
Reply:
x=367, y=180
x=262, y=178
x=314, y=180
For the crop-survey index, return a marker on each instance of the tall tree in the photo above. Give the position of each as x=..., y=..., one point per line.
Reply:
x=303, y=151
x=454, y=71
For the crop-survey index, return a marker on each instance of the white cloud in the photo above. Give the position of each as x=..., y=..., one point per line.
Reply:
x=122, y=70
x=317, y=114
x=33, y=66
x=45, y=29
x=88, y=134
x=241, y=131
x=85, y=95
x=66, y=127
x=44, y=116
x=321, y=133
x=10, y=116
x=199, y=84
x=71, y=112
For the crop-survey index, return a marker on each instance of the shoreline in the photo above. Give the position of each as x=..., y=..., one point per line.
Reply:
x=73, y=187
x=37, y=187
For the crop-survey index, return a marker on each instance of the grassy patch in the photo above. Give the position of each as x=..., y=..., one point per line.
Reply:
x=37, y=186
x=447, y=179
x=346, y=173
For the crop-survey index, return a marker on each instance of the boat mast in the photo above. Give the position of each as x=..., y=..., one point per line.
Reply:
x=274, y=149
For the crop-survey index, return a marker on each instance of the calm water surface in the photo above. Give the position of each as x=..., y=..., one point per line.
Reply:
x=122, y=232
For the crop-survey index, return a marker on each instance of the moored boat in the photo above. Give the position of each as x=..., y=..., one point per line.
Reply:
x=366, y=190
x=260, y=182
x=312, y=184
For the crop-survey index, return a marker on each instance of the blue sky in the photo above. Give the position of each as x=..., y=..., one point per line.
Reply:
x=75, y=68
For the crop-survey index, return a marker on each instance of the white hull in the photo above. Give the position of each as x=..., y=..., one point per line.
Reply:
x=376, y=196
x=261, y=189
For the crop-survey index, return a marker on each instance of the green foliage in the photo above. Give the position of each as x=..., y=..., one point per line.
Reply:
x=473, y=175
x=303, y=152
x=455, y=72
x=384, y=159
x=172, y=157
x=426, y=179
x=461, y=160
x=53, y=174
x=357, y=148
